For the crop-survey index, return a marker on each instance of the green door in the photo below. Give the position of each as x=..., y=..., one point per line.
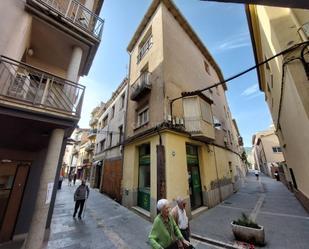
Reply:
x=143, y=195
x=194, y=176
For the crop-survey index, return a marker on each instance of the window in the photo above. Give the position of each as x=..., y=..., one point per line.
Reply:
x=277, y=149
x=144, y=46
x=105, y=119
x=113, y=111
x=102, y=145
x=110, y=139
x=143, y=116
x=206, y=67
x=120, y=133
x=122, y=100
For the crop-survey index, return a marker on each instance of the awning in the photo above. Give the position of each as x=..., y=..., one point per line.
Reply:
x=98, y=163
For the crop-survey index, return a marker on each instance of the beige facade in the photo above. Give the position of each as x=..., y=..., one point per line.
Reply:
x=187, y=147
x=285, y=83
x=45, y=46
x=267, y=152
x=107, y=163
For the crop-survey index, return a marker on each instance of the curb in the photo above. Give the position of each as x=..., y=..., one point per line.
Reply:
x=213, y=242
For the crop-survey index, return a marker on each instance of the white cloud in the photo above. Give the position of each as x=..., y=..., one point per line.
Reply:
x=250, y=90
x=233, y=42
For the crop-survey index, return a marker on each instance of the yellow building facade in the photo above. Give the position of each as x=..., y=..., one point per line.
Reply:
x=186, y=147
x=284, y=81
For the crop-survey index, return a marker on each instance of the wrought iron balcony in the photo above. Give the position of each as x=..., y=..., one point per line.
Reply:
x=29, y=87
x=74, y=13
x=92, y=133
x=141, y=86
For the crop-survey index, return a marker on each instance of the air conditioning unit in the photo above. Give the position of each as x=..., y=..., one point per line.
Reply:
x=20, y=86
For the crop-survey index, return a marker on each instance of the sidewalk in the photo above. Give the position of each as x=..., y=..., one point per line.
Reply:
x=285, y=221
x=106, y=225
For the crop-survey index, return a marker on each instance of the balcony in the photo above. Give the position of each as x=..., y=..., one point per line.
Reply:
x=93, y=121
x=200, y=128
x=89, y=147
x=72, y=13
x=141, y=87
x=198, y=117
x=25, y=87
x=92, y=133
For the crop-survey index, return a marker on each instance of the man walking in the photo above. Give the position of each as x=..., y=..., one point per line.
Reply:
x=80, y=195
x=180, y=216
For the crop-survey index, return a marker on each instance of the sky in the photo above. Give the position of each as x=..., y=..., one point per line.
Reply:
x=223, y=29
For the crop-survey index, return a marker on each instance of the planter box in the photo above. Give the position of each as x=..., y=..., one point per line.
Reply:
x=249, y=234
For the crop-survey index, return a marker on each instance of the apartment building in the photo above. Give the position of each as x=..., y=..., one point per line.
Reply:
x=185, y=147
x=107, y=171
x=45, y=46
x=285, y=83
x=267, y=152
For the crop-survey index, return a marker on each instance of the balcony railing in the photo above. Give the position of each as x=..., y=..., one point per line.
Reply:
x=27, y=85
x=92, y=133
x=75, y=13
x=141, y=86
x=89, y=147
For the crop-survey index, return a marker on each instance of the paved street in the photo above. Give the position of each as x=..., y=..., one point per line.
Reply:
x=106, y=225
x=285, y=221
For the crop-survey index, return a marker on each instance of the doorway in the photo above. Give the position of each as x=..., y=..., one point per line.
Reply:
x=12, y=184
x=194, y=179
x=143, y=195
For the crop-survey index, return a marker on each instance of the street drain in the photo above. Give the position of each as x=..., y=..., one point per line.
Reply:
x=227, y=203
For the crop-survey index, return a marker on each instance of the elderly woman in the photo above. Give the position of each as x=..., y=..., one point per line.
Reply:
x=165, y=234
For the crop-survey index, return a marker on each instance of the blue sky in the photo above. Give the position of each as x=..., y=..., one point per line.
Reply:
x=222, y=28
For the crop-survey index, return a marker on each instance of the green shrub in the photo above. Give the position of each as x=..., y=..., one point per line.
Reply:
x=246, y=222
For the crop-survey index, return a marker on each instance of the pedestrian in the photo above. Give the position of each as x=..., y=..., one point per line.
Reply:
x=74, y=179
x=256, y=172
x=165, y=234
x=180, y=216
x=70, y=180
x=277, y=175
x=60, y=181
x=80, y=195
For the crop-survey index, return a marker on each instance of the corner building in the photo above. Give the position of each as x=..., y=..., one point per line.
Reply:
x=187, y=147
x=45, y=46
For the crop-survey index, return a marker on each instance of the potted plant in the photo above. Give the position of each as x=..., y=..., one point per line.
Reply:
x=244, y=229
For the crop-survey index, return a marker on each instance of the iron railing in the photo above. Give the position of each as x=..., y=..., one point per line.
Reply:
x=30, y=86
x=75, y=13
x=141, y=86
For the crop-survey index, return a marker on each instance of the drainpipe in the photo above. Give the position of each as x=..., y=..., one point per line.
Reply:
x=219, y=184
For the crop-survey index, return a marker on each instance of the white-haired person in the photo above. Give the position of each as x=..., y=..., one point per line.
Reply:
x=165, y=234
x=180, y=216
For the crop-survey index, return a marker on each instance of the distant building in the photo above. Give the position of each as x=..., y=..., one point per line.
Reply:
x=187, y=147
x=45, y=46
x=107, y=161
x=267, y=152
x=284, y=81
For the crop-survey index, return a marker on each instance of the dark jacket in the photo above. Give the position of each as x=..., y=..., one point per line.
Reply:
x=81, y=193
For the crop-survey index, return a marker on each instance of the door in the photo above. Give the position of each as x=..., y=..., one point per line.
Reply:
x=12, y=183
x=195, y=188
x=143, y=195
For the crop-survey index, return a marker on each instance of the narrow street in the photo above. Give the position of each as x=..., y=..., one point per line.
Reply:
x=285, y=221
x=106, y=224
